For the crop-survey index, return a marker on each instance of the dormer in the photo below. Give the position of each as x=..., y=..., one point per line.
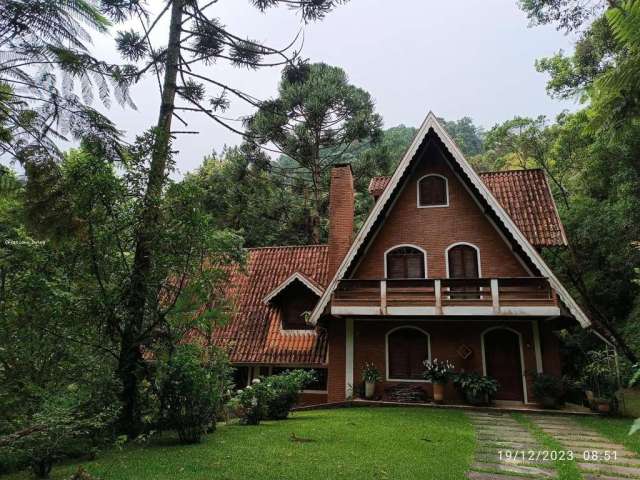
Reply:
x=295, y=298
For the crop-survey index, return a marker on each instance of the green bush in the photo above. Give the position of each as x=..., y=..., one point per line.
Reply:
x=285, y=391
x=251, y=404
x=57, y=429
x=477, y=389
x=192, y=386
x=549, y=390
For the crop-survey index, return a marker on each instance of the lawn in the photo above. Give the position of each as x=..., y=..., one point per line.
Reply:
x=353, y=443
x=616, y=429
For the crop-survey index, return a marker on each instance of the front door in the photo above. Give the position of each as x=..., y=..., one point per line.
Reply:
x=502, y=359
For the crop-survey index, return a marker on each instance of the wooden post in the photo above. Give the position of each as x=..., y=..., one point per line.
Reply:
x=495, y=295
x=383, y=297
x=437, y=286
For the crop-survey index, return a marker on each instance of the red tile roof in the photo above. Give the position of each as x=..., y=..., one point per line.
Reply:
x=254, y=334
x=525, y=196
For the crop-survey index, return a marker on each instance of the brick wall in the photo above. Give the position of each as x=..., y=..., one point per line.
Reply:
x=446, y=337
x=341, y=214
x=434, y=229
x=336, y=369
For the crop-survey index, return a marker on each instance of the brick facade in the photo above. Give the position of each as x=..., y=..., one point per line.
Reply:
x=341, y=212
x=434, y=229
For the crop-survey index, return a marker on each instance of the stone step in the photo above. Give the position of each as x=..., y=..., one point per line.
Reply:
x=493, y=476
x=631, y=472
x=579, y=444
x=602, y=477
x=507, y=445
x=518, y=469
x=515, y=437
x=622, y=461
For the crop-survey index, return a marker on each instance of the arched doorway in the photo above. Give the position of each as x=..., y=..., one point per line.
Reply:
x=502, y=360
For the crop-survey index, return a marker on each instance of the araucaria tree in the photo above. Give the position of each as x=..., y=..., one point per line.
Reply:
x=317, y=117
x=195, y=37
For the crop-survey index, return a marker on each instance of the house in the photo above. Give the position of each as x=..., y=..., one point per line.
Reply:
x=447, y=265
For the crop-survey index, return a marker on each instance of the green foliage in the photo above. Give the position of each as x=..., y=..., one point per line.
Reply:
x=286, y=388
x=251, y=404
x=478, y=389
x=549, y=389
x=192, y=389
x=54, y=429
x=370, y=373
x=316, y=119
x=437, y=371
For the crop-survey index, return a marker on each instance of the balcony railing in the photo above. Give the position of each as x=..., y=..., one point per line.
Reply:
x=446, y=296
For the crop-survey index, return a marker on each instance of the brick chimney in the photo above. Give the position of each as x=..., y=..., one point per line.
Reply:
x=341, y=213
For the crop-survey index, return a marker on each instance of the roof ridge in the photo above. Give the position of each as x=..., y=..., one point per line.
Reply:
x=512, y=170
x=273, y=247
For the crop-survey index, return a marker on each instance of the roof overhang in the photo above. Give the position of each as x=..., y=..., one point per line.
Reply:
x=532, y=256
x=296, y=276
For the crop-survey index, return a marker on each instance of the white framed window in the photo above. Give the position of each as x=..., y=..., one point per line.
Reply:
x=407, y=347
x=433, y=191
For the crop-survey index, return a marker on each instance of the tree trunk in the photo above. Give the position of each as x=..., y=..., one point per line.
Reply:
x=130, y=354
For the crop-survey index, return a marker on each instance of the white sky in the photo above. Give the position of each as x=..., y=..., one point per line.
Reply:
x=458, y=58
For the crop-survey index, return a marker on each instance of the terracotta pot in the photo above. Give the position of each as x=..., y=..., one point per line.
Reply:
x=369, y=390
x=438, y=392
x=604, y=407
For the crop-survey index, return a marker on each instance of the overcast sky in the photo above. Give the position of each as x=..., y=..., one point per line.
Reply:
x=466, y=58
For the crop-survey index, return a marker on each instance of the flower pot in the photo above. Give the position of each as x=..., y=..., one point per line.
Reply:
x=478, y=399
x=604, y=407
x=369, y=390
x=549, y=402
x=438, y=392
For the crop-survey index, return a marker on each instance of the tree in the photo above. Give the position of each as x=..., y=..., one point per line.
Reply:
x=44, y=51
x=193, y=38
x=316, y=119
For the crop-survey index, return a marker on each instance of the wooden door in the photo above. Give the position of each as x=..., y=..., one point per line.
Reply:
x=502, y=358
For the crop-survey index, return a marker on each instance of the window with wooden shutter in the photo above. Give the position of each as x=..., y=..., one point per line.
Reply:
x=463, y=263
x=433, y=191
x=405, y=262
x=408, y=348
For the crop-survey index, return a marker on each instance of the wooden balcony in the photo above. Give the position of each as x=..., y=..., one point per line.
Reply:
x=526, y=296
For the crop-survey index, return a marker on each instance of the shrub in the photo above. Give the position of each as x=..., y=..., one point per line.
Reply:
x=251, y=403
x=477, y=389
x=549, y=390
x=370, y=373
x=437, y=371
x=55, y=429
x=285, y=391
x=192, y=386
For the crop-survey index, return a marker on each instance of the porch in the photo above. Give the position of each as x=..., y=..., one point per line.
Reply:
x=511, y=350
x=519, y=296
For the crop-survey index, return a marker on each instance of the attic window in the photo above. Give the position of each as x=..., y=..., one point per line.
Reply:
x=405, y=261
x=433, y=191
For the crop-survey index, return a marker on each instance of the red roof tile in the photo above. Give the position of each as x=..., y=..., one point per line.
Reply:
x=254, y=334
x=525, y=196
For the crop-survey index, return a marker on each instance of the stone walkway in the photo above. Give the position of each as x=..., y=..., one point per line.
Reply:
x=596, y=456
x=500, y=438
x=502, y=441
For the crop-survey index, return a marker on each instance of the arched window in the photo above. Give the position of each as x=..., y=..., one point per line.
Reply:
x=433, y=191
x=407, y=349
x=462, y=260
x=405, y=262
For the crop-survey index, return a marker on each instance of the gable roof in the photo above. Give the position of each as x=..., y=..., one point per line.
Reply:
x=431, y=126
x=295, y=277
x=525, y=195
x=253, y=333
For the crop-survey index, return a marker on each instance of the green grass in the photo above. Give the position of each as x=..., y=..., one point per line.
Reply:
x=616, y=429
x=567, y=469
x=352, y=443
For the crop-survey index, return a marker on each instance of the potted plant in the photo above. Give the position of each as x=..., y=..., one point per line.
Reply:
x=370, y=376
x=477, y=389
x=438, y=373
x=549, y=390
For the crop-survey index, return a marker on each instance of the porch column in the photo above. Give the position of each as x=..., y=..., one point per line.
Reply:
x=348, y=358
x=535, y=326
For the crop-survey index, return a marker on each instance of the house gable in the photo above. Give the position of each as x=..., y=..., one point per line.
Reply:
x=431, y=130
x=435, y=229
